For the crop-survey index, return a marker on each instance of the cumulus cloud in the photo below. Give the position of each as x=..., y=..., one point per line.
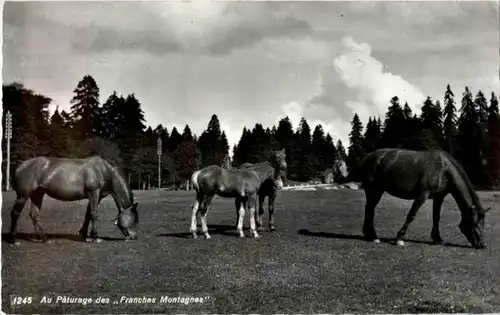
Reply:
x=362, y=72
x=355, y=83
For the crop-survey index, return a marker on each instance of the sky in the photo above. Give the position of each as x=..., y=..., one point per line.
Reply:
x=254, y=62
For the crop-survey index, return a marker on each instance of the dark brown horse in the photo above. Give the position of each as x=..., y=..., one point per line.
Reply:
x=418, y=176
x=240, y=184
x=268, y=189
x=66, y=179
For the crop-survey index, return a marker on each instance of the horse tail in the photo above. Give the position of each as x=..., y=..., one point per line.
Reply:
x=194, y=180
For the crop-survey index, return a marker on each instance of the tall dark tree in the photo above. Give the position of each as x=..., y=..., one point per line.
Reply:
x=372, y=136
x=481, y=106
x=59, y=135
x=468, y=135
x=355, y=151
x=317, y=148
x=392, y=137
x=330, y=151
x=186, y=156
x=174, y=141
x=449, y=122
x=341, y=154
x=210, y=143
x=302, y=165
x=493, y=165
x=85, y=108
x=431, y=135
x=112, y=118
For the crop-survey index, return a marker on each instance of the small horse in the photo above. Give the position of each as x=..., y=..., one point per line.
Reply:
x=67, y=179
x=418, y=176
x=241, y=184
x=269, y=188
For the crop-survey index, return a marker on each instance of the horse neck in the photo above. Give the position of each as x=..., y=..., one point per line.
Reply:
x=120, y=190
x=462, y=190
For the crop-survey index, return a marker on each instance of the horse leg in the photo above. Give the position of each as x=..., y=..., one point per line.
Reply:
x=372, y=199
x=85, y=226
x=36, y=201
x=195, y=209
x=252, y=200
x=240, y=208
x=271, y=212
x=14, y=217
x=436, y=215
x=258, y=217
x=417, y=204
x=203, y=212
x=93, y=203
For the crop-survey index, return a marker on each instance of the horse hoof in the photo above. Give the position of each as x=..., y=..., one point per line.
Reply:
x=195, y=236
x=207, y=237
x=98, y=240
x=15, y=242
x=242, y=235
x=376, y=241
x=272, y=228
x=400, y=243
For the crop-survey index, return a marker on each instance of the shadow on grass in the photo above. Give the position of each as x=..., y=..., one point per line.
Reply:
x=363, y=238
x=33, y=237
x=212, y=229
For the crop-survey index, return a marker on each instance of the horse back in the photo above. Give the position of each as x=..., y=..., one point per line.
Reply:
x=60, y=175
x=405, y=173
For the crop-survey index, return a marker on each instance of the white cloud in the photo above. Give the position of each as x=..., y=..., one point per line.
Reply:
x=375, y=87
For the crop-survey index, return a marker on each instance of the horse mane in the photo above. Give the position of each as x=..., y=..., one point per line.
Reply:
x=119, y=171
x=463, y=174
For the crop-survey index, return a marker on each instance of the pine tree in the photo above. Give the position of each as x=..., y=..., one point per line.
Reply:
x=372, y=136
x=493, y=165
x=468, y=135
x=85, y=108
x=58, y=134
x=318, y=147
x=356, y=152
x=450, y=122
x=341, y=154
x=330, y=154
x=393, y=135
x=430, y=120
x=210, y=145
x=303, y=164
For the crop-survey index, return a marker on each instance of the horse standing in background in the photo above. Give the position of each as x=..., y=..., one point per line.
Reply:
x=421, y=175
x=67, y=179
x=241, y=184
x=269, y=188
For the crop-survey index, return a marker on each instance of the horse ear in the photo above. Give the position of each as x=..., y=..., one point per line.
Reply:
x=116, y=221
x=283, y=150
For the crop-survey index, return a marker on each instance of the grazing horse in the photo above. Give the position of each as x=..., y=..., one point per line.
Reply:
x=269, y=188
x=67, y=179
x=418, y=176
x=240, y=184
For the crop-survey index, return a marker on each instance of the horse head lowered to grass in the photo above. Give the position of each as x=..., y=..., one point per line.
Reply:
x=67, y=179
x=419, y=176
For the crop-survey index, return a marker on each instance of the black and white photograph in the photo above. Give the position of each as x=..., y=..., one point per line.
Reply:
x=250, y=157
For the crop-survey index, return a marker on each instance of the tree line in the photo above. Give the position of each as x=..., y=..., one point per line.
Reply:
x=117, y=131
